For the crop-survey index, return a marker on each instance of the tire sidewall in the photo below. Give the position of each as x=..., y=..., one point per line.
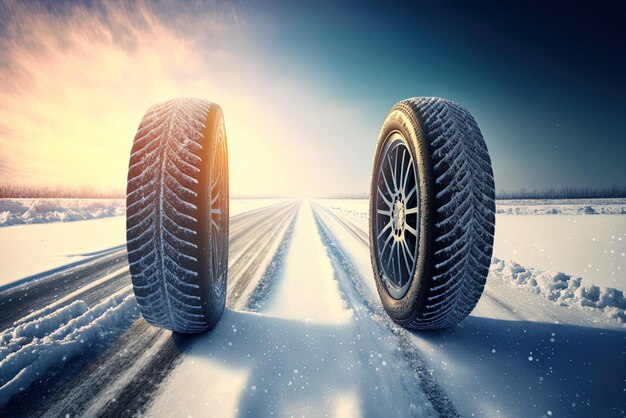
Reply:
x=403, y=120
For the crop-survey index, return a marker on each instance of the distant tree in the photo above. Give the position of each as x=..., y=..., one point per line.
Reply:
x=11, y=190
x=565, y=193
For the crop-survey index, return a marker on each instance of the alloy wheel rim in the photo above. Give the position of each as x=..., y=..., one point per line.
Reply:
x=217, y=213
x=396, y=216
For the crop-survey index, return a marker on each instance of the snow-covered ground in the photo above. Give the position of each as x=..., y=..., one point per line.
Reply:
x=591, y=247
x=572, y=242
x=316, y=341
x=523, y=352
x=27, y=250
x=31, y=249
x=562, y=207
x=31, y=348
x=34, y=211
x=311, y=351
x=538, y=344
x=358, y=207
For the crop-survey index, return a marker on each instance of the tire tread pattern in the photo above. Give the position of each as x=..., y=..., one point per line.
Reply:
x=465, y=211
x=162, y=214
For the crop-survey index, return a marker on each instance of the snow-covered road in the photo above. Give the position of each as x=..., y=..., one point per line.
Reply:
x=518, y=354
x=305, y=334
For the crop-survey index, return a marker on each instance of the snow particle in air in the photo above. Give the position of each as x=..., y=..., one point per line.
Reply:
x=530, y=358
x=493, y=350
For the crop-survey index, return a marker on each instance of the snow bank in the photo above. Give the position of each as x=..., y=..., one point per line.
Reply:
x=29, y=211
x=562, y=288
x=359, y=207
x=31, y=348
x=34, y=211
x=561, y=207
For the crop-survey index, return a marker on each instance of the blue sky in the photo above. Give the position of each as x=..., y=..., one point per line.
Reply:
x=545, y=81
x=306, y=86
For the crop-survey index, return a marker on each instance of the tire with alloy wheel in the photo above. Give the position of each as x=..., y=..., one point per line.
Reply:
x=432, y=213
x=177, y=215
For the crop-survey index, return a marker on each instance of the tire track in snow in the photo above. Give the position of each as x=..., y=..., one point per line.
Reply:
x=137, y=394
x=246, y=266
x=268, y=279
x=126, y=377
x=28, y=297
x=18, y=301
x=363, y=238
x=352, y=284
x=37, y=346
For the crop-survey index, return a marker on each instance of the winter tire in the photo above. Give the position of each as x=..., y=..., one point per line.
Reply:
x=177, y=215
x=432, y=213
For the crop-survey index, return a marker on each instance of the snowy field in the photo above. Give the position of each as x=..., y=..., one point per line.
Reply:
x=562, y=207
x=304, y=333
x=52, y=242
x=35, y=211
x=588, y=244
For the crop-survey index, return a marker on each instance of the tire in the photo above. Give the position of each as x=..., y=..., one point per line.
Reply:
x=177, y=215
x=432, y=213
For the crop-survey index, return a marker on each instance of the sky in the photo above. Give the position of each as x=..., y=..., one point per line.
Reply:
x=305, y=87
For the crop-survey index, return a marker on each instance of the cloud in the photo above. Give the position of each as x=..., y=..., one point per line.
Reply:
x=77, y=79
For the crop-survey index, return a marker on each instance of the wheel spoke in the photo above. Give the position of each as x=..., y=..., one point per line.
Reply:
x=212, y=186
x=387, y=227
x=402, y=170
x=380, y=192
x=213, y=200
x=408, y=251
x=383, y=212
x=393, y=173
x=413, y=190
x=387, y=184
x=399, y=264
x=406, y=176
x=393, y=246
x=406, y=261
x=411, y=230
x=382, y=250
x=411, y=211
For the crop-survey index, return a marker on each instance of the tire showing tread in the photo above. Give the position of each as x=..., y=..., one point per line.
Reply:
x=169, y=215
x=457, y=201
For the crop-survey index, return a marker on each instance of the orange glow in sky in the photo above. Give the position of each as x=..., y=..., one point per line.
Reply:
x=75, y=88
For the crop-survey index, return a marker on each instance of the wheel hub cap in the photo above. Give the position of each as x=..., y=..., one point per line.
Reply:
x=398, y=218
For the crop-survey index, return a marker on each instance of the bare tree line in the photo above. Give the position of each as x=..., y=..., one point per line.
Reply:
x=10, y=190
x=565, y=193
x=550, y=193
